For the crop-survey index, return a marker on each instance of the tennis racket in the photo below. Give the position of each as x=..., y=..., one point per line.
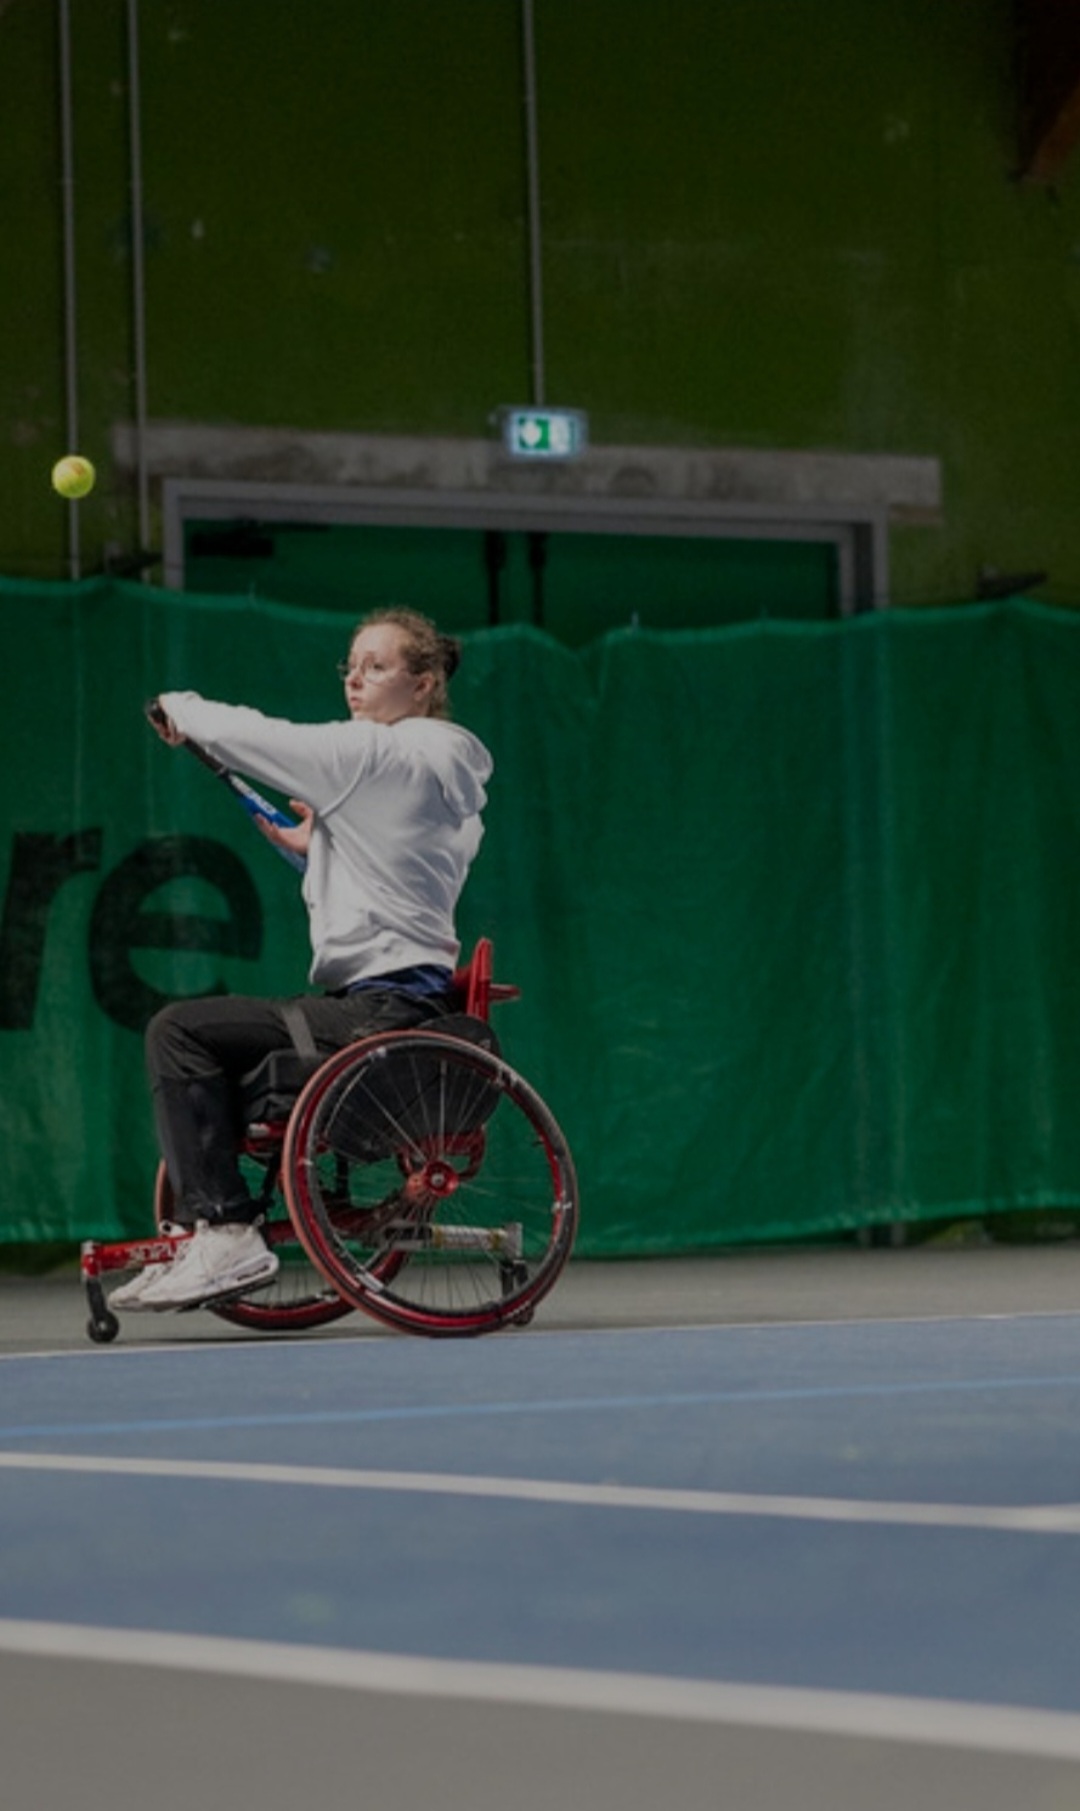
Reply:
x=253, y=802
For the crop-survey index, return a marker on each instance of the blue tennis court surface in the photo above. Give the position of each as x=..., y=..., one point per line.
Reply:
x=871, y=1507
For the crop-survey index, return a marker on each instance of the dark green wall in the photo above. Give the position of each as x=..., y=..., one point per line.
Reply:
x=576, y=586
x=767, y=223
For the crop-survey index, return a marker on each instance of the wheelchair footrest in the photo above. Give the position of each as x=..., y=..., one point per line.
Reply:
x=99, y=1257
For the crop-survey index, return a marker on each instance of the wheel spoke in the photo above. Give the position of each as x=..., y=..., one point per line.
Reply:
x=438, y=1134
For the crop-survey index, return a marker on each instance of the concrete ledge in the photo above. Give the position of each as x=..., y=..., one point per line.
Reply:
x=821, y=484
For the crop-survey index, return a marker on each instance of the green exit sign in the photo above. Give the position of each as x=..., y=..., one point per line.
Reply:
x=545, y=433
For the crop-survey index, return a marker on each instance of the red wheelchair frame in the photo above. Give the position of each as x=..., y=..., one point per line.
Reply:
x=387, y=1177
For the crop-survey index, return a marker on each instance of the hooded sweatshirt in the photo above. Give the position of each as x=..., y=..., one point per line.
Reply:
x=397, y=823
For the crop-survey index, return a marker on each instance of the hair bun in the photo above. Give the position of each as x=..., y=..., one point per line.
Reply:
x=450, y=652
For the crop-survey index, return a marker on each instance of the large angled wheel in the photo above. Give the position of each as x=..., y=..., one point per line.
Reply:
x=462, y=1198
x=299, y=1296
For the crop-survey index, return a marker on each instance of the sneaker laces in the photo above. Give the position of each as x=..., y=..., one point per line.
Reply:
x=186, y=1253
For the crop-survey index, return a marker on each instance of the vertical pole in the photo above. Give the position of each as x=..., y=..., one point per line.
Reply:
x=71, y=352
x=138, y=281
x=532, y=169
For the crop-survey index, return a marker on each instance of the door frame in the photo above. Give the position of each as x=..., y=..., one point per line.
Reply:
x=859, y=532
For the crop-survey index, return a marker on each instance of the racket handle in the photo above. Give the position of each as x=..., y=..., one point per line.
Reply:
x=258, y=807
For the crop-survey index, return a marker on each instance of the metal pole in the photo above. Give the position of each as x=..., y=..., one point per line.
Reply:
x=138, y=281
x=532, y=167
x=71, y=350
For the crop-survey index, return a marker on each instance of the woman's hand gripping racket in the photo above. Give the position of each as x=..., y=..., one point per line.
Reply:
x=257, y=808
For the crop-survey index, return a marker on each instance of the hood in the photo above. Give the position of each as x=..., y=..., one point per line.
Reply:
x=458, y=759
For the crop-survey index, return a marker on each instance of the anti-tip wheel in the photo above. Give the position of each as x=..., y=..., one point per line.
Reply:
x=104, y=1330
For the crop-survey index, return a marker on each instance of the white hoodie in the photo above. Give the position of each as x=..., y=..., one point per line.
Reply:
x=397, y=823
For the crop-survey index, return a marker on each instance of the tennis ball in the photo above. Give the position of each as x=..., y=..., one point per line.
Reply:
x=73, y=476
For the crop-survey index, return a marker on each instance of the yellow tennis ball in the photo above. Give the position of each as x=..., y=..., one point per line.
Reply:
x=73, y=476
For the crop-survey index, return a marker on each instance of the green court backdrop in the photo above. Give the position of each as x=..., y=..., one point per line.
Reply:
x=795, y=907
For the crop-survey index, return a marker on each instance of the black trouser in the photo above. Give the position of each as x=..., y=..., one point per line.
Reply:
x=197, y=1052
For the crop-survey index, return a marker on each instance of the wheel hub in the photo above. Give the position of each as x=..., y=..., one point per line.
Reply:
x=439, y=1177
x=435, y=1178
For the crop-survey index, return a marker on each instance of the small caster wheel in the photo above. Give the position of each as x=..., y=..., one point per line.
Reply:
x=103, y=1329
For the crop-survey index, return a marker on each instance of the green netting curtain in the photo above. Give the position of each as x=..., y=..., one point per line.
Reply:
x=794, y=908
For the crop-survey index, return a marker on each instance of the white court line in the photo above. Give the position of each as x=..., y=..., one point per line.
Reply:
x=1036, y=1518
x=361, y=1330
x=949, y=1723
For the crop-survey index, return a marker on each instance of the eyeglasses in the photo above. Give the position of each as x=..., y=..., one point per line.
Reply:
x=369, y=668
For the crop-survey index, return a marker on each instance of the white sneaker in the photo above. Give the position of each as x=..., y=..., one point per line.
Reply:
x=218, y=1260
x=129, y=1295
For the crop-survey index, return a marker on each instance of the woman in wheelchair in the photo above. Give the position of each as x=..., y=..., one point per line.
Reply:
x=389, y=807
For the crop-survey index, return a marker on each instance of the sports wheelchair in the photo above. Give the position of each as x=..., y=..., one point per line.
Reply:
x=412, y=1174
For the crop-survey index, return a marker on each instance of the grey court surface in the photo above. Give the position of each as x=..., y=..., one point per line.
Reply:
x=781, y=1529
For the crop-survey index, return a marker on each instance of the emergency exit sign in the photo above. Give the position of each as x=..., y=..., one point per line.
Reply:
x=545, y=433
